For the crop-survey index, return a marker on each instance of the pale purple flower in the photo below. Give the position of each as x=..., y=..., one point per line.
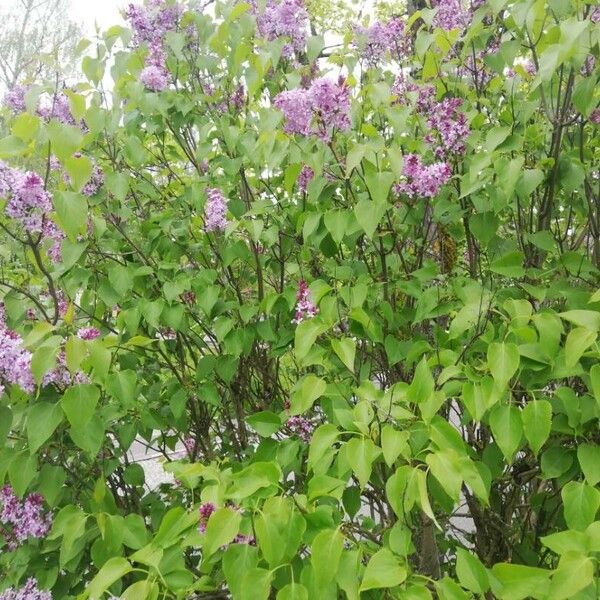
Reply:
x=15, y=98
x=88, y=333
x=422, y=180
x=240, y=538
x=588, y=66
x=204, y=166
x=22, y=520
x=94, y=183
x=451, y=14
x=305, y=308
x=205, y=510
x=189, y=443
x=325, y=106
x=215, y=210
x=29, y=591
x=155, y=78
x=15, y=360
x=56, y=107
x=449, y=128
x=283, y=18
x=424, y=95
x=50, y=231
x=304, y=178
x=380, y=38
x=301, y=427
x=61, y=376
x=595, y=15
x=29, y=202
x=595, y=116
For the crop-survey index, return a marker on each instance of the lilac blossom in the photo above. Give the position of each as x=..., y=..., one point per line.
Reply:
x=449, y=128
x=451, y=14
x=88, y=333
x=215, y=210
x=95, y=182
x=15, y=98
x=22, y=520
x=595, y=15
x=301, y=427
x=422, y=180
x=305, y=308
x=425, y=94
x=56, y=107
x=283, y=18
x=29, y=202
x=304, y=178
x=375, y=41
x=29, y=591
x=205, y=510
x=50, y=231
x=61, y=376
x=595, y=117
x=15, y=360
x=588, y=66
x=319, y=110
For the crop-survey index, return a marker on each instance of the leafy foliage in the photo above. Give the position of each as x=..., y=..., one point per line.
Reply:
x=349, y=295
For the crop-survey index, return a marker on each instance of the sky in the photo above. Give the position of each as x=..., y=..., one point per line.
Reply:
x=104, y=12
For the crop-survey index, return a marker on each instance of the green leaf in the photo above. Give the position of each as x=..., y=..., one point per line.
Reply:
x=578, y=341
x=307, y=391
x=256, y=584
x=12, y=146
x=445, y=466
x=90, y=436
x=574, y=573
x=393, y=443
x=326, y=550
x=509, y=265
x=537, y=422
x=322, y=440
x=588, y=456
x=44, y=358
x=471, y=573
x=237, y=560
x=379, y=185
x=293, y=591
x=518, y=582
x=345, y=348
x=141, y=590
x=506, y=425
x=369, y=214
x=448, y=589
x=113, y=570
x=589, y=319
x=72, y=212
x=422, y=385
x=265, y=423
x=503, y=362
x=42, y=420
x=65, y=139
x=383, y=571
x=79, y=169
x=580, y=504
x=361, y=453
x=223, y=525
x=306, y=335
x=79, y=404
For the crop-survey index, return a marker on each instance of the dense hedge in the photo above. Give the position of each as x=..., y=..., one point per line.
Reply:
x=346, y=286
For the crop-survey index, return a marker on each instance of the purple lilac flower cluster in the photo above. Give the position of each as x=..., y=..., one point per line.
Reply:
x=304, y=178
x=88, y=333
x=61, y=376
x=29, y=202
x=205, y=510
x=588, y=65
x=451, y=14
x=301, y=427
x=319, y=110
x=150, y=24
x=422, y=180
x=15, y=360
x=56, y=107
x=595, y=117
x=595, y=15
x=55, y=235
x=22, y=520
x=305, y=309
x=425, y=94
x=15, y=98
x=283, y=18
x=95, y=182
x=375, y=41
x=29, y=591
x=449, y=128
x=215, y=210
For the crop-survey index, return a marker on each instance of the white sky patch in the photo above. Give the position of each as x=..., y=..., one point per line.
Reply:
x=104, y=13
